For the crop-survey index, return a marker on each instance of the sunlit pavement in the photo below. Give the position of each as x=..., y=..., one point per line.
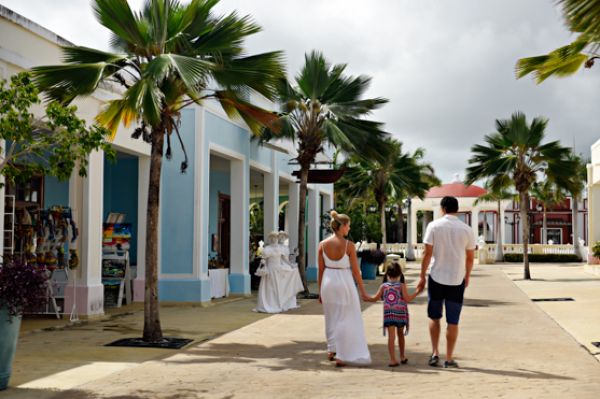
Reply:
x=508, y=347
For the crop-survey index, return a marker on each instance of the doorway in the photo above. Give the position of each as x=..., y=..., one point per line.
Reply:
x=224, y=228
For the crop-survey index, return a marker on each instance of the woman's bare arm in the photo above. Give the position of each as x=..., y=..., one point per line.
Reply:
x=321, y=267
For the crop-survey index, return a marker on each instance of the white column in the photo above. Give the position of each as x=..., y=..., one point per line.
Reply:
x=271, y=198
x=413, y=225
x=239, y=272
x=143, y=184
x=328, y=205
x=292, y=213
x=437, y=212
x=88, y=294
x=475, y=222
x=313, y=223
x=502, y=225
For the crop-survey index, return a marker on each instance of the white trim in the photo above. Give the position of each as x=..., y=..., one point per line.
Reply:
x=32, y=27
x=198, y=200
x=257, y=165
x=225, y=152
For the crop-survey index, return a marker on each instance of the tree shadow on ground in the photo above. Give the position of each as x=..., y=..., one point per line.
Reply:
x=311, y=356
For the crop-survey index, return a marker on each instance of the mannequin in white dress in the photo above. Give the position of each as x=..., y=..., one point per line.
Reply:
x=278, y=288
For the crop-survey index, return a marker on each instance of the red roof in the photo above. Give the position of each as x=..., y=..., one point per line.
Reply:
x=456, y=190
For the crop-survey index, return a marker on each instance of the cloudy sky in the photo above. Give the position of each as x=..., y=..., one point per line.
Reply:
x=446, y=66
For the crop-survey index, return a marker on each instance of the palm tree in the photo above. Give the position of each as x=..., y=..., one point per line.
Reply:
x=547, y=194
x=516, y=150
x=582, y=17
x=497, y=194
x=576, y=190
x=398, y=176
x=165, y=57
x=325, y=107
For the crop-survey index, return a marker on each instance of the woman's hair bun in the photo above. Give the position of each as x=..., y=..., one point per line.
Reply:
x=334, y=214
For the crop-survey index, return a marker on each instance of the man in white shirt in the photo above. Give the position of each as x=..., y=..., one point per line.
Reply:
x=450, y=247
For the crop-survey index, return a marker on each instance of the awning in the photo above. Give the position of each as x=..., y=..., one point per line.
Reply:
x=322, y=176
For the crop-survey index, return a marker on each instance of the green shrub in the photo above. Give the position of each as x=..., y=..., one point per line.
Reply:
x=596, y=249
x=543, y=258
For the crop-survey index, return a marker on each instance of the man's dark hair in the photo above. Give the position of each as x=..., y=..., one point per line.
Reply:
x=449, y=204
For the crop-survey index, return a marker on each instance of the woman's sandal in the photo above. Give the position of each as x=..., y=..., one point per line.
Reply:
x=331, y=356
x=339, y=363
x=404, y=361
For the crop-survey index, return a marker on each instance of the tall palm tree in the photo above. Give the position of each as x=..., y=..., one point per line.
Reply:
x=581, y=17
x=390, y=178
x=516, y=150
x=165, y=57
x=548, y=195
x=497, y=194
x=576, y=190
x=325, y=107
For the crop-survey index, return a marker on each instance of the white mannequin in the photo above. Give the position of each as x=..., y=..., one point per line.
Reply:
x=278, y=289
x=285, y=249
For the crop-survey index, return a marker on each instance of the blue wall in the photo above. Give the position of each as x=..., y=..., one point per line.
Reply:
x=177, y=204
x=121, y=194
x=219, y=183
x=56, y=192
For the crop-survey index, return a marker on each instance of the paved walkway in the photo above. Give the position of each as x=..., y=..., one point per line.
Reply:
x=508, y=347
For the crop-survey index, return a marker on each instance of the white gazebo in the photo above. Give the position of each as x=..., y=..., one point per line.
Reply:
x=481, y=214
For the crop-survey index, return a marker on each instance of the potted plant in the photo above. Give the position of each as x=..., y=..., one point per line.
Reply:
x=21, y=287
x=370, y=260
x=594, y=256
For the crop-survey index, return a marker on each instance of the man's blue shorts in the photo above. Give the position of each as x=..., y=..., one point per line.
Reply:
x=449, y=295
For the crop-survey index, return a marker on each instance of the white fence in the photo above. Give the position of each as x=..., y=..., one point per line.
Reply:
x=490, y=248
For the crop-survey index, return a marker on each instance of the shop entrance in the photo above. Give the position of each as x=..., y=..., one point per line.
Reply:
x=120, y=228
x=224, y=228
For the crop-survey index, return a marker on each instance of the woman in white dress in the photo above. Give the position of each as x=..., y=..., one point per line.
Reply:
x=338, y=272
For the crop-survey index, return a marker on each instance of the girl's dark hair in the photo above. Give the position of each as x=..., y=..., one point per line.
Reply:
x=393, y=270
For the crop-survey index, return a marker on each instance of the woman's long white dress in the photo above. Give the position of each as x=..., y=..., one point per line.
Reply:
x=278, y=289
x=343, y=319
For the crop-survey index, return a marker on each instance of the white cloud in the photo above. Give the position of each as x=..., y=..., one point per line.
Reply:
x=447, y=67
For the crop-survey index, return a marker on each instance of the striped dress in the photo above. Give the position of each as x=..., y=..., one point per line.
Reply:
x=395, y=310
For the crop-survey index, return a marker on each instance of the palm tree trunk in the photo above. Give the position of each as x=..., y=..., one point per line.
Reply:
x=152, y=329
x=302, y=227
x=523, y=210
x=400, y=224
x=499, y=251
x=383, y=226
x=575, y=226
x=545, y=227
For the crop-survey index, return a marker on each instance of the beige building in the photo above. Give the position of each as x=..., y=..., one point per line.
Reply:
x=593, y=169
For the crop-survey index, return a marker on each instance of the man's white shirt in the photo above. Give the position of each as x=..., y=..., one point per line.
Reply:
x=450, y=238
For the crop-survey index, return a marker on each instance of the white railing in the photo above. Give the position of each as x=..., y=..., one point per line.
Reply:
x=490, y=248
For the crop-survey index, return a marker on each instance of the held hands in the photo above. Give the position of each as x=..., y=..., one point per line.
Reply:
x=421, y=285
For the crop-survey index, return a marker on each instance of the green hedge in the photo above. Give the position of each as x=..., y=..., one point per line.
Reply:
x=550, y=258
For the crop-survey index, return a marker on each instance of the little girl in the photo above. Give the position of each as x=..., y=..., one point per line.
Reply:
x=395, y=311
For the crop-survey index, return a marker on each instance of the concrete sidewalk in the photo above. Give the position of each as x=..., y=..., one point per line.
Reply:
x=508, y=347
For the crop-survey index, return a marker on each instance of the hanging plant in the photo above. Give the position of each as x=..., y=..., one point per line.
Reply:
x=22, y=287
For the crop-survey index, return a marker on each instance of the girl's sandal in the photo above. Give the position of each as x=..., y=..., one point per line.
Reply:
x=331, y=356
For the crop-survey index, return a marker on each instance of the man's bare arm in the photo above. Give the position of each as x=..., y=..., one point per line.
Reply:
x=425, y=265
x=469, y=265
